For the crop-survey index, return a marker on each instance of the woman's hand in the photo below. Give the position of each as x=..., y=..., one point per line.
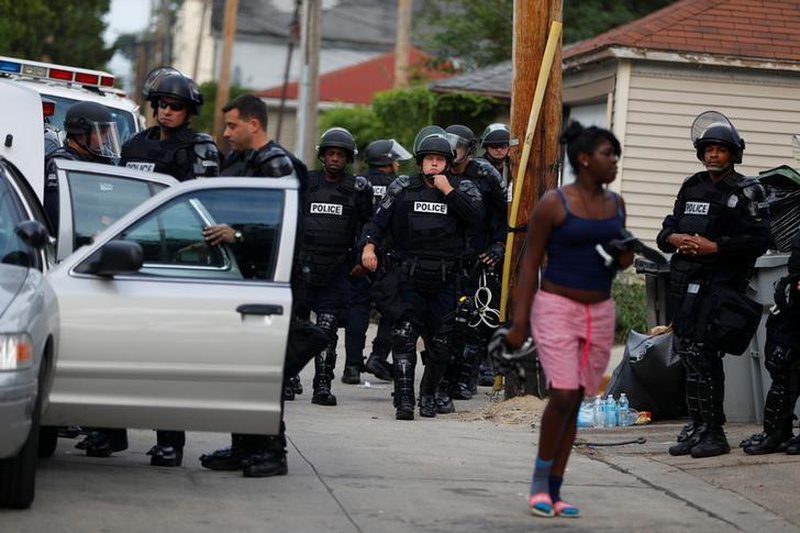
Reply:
x=517, y=335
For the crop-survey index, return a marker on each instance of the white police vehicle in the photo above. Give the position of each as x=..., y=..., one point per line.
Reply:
x=141, y=324
x=64, y=85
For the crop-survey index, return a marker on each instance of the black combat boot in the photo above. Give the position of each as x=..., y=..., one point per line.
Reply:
x=688, y=438
x=769, y=444
x=351, y=375
x=404, y=389
x=793, y=445
x=712, y=443
x=161, y=455
x=227, y=458
x=323, y=374
x=102, y=442
x=269, y=460
x=427, y=406
x=379, y=367
x=444, y=404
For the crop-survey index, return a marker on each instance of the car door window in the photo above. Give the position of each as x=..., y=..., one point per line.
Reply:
x=98, y=200
x=171, y=237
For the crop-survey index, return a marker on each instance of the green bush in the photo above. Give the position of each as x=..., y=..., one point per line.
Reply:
x=361, y=121
x=205, y=121
x=629, y=294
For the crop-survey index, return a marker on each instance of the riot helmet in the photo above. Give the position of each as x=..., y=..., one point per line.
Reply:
x=497, y=134
x=438, y=144
x=712, y=127
x=384, y=152
x=167, y=81
x=337, y=138
x=465, y=138
x=96, y=124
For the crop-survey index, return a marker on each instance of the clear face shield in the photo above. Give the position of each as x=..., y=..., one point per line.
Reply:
x=396, y=152
x=103, y=140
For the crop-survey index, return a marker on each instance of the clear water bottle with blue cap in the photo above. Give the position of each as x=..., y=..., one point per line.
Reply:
x=599, y=412
x=611, y=412
x=624, y=410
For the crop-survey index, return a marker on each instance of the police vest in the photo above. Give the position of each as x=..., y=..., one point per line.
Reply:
x=424, y=224
x=330, y=215
x=709, y=210
x=380, y=182
x=146, y=152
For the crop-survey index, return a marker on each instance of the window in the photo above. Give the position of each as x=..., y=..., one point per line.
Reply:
x=126, y=125
x=171, y=237
x=99, y=199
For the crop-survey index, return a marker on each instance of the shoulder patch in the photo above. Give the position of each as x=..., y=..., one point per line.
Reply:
x=361, y=183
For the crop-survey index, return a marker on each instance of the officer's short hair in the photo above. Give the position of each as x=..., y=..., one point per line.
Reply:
x=249, y=106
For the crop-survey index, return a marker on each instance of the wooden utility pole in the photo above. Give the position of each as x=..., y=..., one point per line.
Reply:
x=224, y=84
x=200, y=32
x=402, y=46
x=532, y=26
x=310, y=43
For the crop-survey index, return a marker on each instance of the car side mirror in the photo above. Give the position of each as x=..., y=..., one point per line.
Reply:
x=33, y=233
x=114, y=258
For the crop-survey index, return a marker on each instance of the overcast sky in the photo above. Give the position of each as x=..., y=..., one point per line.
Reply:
x=125, y=16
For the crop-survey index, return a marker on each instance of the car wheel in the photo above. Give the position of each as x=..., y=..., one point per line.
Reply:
x=18, y=474
x=48, y=441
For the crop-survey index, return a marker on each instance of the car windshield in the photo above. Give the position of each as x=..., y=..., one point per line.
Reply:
x=126, y=125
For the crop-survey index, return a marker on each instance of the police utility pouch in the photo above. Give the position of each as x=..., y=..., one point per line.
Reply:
x=732, y=320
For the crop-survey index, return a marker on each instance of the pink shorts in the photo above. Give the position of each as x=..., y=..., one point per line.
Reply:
x=573, y=340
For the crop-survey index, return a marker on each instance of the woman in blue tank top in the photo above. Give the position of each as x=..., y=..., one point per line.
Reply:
x=571, y=315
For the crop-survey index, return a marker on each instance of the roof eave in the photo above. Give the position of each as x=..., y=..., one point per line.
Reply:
x=623, y=52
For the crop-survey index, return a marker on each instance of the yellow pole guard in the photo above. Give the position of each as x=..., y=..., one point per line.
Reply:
x=538, y=97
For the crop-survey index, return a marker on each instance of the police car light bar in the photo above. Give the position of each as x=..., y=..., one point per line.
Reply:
x=49, y=71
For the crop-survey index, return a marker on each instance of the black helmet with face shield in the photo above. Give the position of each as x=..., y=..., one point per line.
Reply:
x=712, y=127
x=96, y=124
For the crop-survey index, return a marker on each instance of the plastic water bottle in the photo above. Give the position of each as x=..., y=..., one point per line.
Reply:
x=611, y=411
x=624, y=410
x=599, y=413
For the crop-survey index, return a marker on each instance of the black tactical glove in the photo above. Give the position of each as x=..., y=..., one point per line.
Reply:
x=503, y=359
x=493, y=254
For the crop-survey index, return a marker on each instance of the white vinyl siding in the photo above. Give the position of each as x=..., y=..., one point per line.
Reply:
x=662, y=102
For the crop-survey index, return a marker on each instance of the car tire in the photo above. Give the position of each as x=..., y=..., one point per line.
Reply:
x=48, y=441
x=18, y=474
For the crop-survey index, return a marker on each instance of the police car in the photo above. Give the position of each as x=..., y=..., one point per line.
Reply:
x=140, y=324
x=64, y=85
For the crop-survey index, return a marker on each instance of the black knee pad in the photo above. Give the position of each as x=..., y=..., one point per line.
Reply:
x=404, y=338
x=778, y=360
x=328, y=322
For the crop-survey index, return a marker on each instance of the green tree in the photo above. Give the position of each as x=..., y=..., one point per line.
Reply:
x=205, y=120
x=58, y=31
x=477, y=33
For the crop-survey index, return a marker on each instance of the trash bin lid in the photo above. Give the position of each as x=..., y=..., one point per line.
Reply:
x=782, y=176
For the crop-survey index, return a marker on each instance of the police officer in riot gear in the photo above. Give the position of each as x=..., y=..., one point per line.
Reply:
x=383, y=159
x=336, y=206
x=91, y=136
x=256, y=155
x=496, y=142
x=715, y=233
x=782, y=359
x=172, y=147
x=426, y=217
x=487, y=246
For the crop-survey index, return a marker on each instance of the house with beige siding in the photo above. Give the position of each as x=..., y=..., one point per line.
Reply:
x=647, y=80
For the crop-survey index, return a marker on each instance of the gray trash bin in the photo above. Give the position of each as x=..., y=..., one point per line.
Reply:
x=747, y=380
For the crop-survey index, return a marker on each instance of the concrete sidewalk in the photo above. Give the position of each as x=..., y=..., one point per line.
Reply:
x=445, y=474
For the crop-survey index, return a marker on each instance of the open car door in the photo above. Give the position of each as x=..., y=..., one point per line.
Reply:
x=193, y=337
